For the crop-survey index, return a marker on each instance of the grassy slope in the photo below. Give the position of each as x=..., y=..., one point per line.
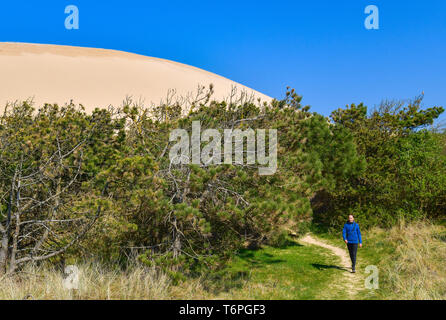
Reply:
x=369, y=254
x=292, y=272
x=410, y=259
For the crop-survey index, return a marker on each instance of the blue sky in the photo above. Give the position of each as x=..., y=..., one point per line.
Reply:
x=321, y=48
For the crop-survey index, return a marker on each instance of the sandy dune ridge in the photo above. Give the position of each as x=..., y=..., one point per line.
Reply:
x=99, y=77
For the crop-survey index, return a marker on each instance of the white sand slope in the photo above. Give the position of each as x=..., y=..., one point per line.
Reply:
x=98, y=77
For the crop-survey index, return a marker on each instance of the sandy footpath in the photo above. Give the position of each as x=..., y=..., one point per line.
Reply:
x=352, y=283
x=97, y=77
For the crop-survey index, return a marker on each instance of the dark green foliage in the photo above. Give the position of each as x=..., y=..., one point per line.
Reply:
x=189, y=218
x=405, y=165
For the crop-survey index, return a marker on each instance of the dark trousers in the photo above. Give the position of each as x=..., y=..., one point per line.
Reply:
x=352, y=249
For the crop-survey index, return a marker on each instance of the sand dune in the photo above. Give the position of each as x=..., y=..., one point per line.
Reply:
x=98, y=77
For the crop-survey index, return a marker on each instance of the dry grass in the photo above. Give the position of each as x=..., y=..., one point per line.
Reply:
x=268, y=273
x=411, y=260
x=415, y=268
x=46, y=283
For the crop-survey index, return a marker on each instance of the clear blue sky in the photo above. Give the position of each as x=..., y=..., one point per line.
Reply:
x=321, y=48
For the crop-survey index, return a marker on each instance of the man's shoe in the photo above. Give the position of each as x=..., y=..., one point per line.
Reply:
x=353, y=271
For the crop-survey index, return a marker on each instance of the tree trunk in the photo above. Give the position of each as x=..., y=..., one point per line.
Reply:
x=15, y=239
x=5, y=231
x=4, y=252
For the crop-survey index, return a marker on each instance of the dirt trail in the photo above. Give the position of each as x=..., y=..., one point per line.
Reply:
x=351, y=282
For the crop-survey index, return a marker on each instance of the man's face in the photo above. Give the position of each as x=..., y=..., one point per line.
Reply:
x=350, y=218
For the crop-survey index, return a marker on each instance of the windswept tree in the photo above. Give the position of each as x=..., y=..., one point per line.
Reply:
x=104, y=185
x=44, y=210
x=183, y=215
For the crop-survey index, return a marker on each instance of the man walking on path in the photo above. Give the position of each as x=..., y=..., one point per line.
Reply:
x=352, y=237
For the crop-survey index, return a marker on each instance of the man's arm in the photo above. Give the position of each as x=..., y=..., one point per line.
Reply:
x=344, y=234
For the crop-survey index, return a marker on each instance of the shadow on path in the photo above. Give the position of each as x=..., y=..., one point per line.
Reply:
x=324, y=266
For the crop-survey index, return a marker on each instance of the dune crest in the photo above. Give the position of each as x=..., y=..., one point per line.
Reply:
x=99, y=77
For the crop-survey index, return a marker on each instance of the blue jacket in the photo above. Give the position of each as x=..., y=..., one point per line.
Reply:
x=352, y=233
